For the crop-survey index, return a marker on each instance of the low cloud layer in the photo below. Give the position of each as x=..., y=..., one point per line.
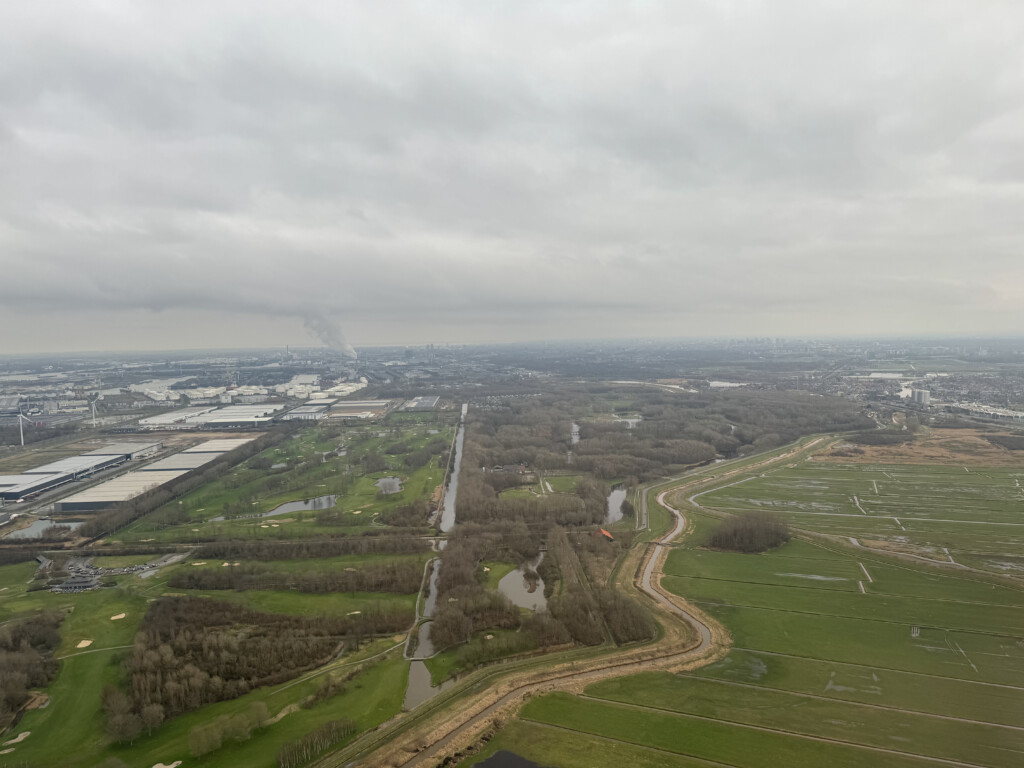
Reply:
x=178, y=175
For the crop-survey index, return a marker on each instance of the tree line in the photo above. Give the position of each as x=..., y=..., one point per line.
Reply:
x=401, y=576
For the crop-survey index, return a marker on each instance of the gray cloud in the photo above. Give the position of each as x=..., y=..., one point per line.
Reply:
x=261, y=173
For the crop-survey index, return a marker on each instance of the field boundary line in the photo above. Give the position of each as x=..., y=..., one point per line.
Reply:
x=866, y=704
x=795, y=734
x=647, y=747
x=887, y=669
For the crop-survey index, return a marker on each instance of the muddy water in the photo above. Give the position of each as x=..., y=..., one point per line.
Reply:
x=615, y=499
x=514, y=586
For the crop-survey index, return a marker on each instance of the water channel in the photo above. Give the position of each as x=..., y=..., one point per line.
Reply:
x=448, y=510
x=419, y=688
x=318, y=502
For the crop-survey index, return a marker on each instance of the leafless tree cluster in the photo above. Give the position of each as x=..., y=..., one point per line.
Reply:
x=193, y=651
x=298, y=753
x=26, y=659
x=401, y=576
x=752, y=532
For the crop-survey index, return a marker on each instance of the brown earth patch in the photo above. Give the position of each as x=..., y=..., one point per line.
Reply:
x=963, y=447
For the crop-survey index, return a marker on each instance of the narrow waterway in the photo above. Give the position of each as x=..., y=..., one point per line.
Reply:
x=448, y=510
x=615, y=499
x=517, y=588
x=419, y=688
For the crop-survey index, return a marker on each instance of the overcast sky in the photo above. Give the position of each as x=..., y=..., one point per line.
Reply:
x=190, y=174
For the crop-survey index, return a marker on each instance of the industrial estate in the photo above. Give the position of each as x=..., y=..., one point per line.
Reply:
x=671, y=554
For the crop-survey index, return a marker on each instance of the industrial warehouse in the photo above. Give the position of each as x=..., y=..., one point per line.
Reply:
x=32, y=482
x=132, y=484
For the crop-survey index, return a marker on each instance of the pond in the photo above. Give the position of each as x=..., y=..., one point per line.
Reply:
x=389, y=485
x=522, y=592
x=615, y=499
x=38, y=526
x=316, y=503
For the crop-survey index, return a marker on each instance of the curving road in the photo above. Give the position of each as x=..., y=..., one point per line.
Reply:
x=655, y=562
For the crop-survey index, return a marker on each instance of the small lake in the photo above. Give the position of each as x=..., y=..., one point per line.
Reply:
x=389, y=485
x=615, y=499
x=516, y=588
x=38, y=526
x=316, y=503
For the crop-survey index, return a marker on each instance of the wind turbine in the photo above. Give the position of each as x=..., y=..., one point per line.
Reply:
x=21, y=429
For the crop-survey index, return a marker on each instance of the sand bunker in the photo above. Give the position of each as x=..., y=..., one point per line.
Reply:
x=118, y=617
x=21, y=736
x=175, y=764
x=358, y=512
x=6, y=751
x=203, y=563
x=264, y=526
x=84, y=643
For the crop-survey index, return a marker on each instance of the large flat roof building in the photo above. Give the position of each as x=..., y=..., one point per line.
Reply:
x=131, y=450
x=14, y=487
x=181, y=461
x=77, y=466
x=219, y=446
x=115, y=491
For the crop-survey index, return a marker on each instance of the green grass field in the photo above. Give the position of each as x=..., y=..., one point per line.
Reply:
x=841, y=656
x=70, y=731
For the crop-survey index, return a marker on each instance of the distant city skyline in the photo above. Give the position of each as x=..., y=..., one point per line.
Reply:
x=265, y=174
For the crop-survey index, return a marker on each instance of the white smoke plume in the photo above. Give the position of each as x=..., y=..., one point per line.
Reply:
x=328, y=331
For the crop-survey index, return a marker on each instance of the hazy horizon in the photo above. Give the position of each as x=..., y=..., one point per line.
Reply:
x=254, y=175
